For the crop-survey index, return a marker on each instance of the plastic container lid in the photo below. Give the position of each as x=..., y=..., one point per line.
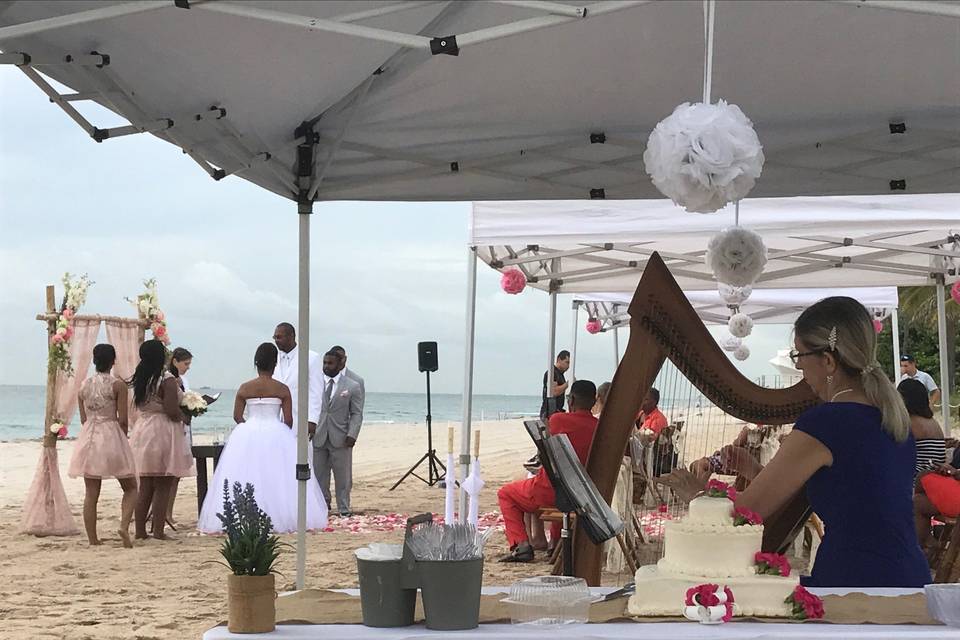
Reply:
x=549, y=600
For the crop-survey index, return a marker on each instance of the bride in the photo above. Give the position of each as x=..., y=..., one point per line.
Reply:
x=262, y=450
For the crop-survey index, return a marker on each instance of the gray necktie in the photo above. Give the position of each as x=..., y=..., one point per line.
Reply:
x=326, y=394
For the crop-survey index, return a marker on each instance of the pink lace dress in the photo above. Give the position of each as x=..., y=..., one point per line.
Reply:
x=102, y=449
x=159, y=444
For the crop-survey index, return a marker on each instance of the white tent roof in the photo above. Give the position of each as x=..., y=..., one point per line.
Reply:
x=831, y=242
x=767, y=306
x=544, y=100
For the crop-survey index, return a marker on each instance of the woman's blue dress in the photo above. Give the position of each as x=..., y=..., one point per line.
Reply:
x=865, y=499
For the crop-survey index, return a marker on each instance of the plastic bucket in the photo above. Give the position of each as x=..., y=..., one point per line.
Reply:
x=451, y=593
x=383, y=602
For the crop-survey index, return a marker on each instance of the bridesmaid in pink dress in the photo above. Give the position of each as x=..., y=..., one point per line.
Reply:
x=158, y=441
x=102, y=450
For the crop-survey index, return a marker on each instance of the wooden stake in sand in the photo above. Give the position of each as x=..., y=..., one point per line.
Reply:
x=50, y=439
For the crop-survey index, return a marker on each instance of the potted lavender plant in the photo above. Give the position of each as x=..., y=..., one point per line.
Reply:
x=250, y=551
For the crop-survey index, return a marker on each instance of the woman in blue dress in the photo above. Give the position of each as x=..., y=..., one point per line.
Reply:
x=854, y=454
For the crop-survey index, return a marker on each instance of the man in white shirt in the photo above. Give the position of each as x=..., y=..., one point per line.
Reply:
x=288, y=365
x=908, y=369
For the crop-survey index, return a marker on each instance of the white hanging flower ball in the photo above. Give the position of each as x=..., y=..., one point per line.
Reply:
x=740, y=325
x=734, y=295
x=730, y=343
x=703, y=156
x=736, y=256
x=742, y=352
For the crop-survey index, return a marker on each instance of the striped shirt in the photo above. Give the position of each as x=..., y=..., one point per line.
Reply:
x=930, y=453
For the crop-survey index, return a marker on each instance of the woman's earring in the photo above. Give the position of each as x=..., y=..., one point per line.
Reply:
x=829, y=381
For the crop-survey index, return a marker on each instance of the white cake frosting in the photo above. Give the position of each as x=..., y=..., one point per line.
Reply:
x=705, y=547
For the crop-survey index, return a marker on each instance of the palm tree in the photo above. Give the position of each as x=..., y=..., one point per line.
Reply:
x=918, y=308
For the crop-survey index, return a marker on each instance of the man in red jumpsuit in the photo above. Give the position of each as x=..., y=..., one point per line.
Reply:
x=526, y=496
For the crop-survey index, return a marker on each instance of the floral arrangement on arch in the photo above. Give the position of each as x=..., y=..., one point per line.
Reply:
x=148, y=306
x=74, y=295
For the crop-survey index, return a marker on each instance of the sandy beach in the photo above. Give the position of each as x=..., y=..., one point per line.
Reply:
x=63, y=588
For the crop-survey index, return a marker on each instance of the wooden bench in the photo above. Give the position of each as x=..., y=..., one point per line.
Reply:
x=201, y=452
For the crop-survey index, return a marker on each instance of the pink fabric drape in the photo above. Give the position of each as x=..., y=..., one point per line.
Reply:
x=125, y=336
x=46, y=511
x=85, y=332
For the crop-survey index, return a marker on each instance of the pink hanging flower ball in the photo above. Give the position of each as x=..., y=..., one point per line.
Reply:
x=955, y=292
x=513, y=281
x=878, y=325
x=593, y=326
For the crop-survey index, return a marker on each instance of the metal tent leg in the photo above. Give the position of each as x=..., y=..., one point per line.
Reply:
x=469, y=339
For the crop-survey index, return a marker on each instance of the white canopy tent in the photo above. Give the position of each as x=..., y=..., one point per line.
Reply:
x=833, y=242
x=507, y=99
x=765, y=306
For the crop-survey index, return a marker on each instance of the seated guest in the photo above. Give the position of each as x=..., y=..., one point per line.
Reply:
x=651, y=418
x=854, y=454
x=602, y=392
x=936, y=490
x=526, y=496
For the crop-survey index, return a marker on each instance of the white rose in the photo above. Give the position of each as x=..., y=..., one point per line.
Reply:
x=144, y=307
x=55, y=427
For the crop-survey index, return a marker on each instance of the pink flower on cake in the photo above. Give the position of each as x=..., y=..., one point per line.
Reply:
x=806, y=606
x=717, y=489
x=743, y=516
x=772, y=564
x=513, y=281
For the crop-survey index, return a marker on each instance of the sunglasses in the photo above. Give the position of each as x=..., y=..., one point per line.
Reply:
x=796, y=355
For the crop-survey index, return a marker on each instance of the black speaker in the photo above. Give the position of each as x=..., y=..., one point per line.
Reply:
x=427, y=356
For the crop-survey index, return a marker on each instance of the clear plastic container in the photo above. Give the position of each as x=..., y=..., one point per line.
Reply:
x=943, y=602
x=549, y=600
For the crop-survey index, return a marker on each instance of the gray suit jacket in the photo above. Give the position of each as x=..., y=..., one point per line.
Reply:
x=343, y=417
x=350, y=373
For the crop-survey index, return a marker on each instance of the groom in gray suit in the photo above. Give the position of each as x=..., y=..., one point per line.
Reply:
x=338, y=427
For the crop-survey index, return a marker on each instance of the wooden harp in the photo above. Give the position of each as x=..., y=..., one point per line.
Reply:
x=664, y=325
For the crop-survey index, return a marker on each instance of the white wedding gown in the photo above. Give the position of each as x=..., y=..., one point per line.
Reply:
x=263, y=452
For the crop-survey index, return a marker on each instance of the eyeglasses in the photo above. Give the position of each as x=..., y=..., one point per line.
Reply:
x=796, y=355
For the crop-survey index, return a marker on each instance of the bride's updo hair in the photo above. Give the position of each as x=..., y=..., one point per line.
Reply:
x=265, y=359
x=843, y=327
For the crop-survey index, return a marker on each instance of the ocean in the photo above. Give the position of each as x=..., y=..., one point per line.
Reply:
x=21, y=410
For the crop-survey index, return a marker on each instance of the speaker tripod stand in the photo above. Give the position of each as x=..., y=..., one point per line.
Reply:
x=434, y=475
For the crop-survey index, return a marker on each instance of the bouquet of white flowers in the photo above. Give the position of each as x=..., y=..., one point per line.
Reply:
x=193, y=404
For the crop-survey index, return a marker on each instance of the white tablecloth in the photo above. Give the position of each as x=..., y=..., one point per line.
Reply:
x=645, y=631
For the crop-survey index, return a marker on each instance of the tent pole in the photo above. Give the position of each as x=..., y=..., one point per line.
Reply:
x=81, y=17
x=468, y=377
x=551, y=347
x=306, y=154
x=944, y=360
x=895, y=334
x=573, y=342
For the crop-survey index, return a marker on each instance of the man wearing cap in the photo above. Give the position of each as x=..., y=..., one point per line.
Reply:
x=908, y=369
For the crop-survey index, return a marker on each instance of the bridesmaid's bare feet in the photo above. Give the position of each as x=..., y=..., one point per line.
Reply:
x=125, y=539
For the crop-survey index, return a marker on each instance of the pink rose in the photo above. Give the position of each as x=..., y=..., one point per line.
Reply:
x=159, y=331
x=594, y=326
x=62, y=433
x=717, y=489
x=57, y=338
x=158, y=316
x=67, y=313
x=513, y=281
x=772, y=564
x=742, y=516
x=68, y=334
x=805, y=604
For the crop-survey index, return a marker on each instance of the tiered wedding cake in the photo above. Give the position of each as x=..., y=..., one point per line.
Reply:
x=715, y=545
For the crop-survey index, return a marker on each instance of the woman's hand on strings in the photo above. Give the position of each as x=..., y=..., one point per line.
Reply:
x=684, y=484
x=740, y=460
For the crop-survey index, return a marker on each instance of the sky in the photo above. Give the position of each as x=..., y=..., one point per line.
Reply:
x=384, y=276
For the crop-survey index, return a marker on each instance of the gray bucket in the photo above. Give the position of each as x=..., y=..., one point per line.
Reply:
x=450, y=590
x=383, y=601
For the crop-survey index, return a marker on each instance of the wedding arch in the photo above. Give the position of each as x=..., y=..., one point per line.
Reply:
x=70, y=340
